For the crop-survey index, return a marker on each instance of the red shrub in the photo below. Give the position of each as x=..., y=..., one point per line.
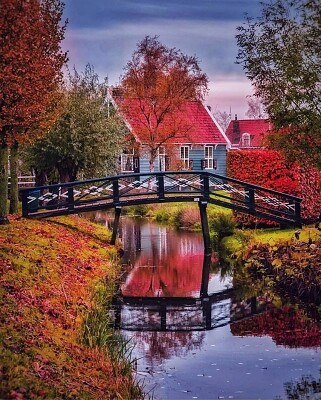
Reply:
x=269, y=169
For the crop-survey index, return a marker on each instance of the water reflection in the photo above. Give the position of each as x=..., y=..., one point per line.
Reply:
x=198, y=337
x=306, y=388
x=287, y=326
x=159, y=346
x=170, y=285
x=164, y=263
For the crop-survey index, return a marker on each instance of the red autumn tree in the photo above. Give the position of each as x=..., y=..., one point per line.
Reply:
x=31, y=62
x=157, y=82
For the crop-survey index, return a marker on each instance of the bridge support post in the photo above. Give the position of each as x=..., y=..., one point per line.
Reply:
x=161, y=187
x=205, y=229
x=71, y=201
x=207, y=313
x=205, y=274
x=163, y=316
x=116, y=225
x=25, y=203
x=251, y=199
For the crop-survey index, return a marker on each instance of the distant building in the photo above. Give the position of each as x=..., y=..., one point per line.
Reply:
x=248, y=133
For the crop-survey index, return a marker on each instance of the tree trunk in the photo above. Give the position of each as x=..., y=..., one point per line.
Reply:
x=64, y=176
x=152, y=158
x=151, y=166
x=14, y=200
x=41, y=177
x=3, y=184
x=67, y=174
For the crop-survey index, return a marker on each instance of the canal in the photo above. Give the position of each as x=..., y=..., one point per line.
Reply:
x=195, y=337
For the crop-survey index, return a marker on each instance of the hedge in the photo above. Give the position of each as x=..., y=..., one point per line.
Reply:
x=269, y=168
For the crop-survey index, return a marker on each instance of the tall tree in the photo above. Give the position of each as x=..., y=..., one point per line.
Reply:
x=255, y=108
x=281, y=55
x=86, y=139
x=223, y=119
x=157, y=81
x=31, y=63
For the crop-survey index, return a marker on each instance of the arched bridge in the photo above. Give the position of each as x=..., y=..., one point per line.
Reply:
x=161, y=187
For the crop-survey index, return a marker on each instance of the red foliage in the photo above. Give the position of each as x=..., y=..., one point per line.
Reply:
x=172, y=279
x=30, y=65
x=286, y=326
x=268, y=168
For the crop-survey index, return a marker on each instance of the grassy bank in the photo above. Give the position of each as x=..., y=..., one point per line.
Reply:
x=48, y=349
x=178, y=215
x=186, y=216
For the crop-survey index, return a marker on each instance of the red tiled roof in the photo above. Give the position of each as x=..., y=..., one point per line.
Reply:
x=257, y=128
x=195, y=122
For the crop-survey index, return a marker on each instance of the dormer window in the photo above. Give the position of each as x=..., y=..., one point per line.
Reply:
x=246, y=140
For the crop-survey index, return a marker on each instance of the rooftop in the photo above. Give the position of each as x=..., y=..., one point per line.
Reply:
x=192, y=123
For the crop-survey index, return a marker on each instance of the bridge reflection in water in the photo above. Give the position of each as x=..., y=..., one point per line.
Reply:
x=204, y=312
x=172, y=299
x=169, y=283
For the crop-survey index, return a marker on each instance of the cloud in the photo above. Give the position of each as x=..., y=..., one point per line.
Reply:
x=106, y=35
x=97, y=13
x=229, y=93
x=213, y=43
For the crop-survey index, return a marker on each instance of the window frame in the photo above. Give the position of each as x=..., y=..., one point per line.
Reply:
x=209, y=156
x=125, y=157
x=246, y=139
x=185, y=156
x=162, y=158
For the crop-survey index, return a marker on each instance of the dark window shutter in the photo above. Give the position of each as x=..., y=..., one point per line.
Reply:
x=215, y=164
x=203, y=164
x=136, y=164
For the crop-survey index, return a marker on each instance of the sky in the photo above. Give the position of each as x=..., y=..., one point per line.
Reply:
x=104, y=33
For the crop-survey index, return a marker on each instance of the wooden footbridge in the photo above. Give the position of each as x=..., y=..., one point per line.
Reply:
x=115, y=192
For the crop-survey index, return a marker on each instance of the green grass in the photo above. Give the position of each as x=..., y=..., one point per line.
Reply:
x=269, y=236
x=273, y=236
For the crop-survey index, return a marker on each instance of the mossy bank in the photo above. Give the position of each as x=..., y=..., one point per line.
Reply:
x=49, y=271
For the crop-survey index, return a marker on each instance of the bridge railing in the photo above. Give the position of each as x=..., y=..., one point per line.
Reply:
x=168, y=186
x=181, y=314
x=255, y=200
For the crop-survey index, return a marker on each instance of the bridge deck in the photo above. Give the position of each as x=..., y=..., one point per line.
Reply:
x=177, y=186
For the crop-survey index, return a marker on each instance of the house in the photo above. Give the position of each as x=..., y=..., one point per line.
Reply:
x=194, y=142
x=248, y=133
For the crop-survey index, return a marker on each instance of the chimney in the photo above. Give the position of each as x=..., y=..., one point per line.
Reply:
x=236, y=137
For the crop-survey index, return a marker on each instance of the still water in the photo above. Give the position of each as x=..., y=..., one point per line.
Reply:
x=197, y=338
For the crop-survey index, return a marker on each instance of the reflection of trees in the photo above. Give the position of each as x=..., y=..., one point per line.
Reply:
x=221, y=266
x=164, y=345
x=305, y=389
x=180, y=276
x=287, y=326
x=169, y=265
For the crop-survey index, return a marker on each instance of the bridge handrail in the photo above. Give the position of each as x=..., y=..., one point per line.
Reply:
x=162, y=173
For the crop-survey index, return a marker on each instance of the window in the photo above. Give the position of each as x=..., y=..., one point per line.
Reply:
x=127, y=161
x=185, y=157
x=162, y=158
x=208, y=156
x=246, y=140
